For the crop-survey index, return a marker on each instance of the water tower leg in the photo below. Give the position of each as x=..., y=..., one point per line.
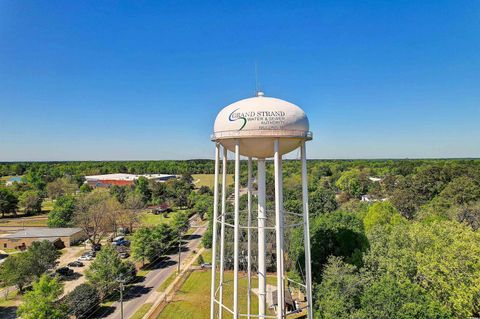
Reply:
x=279, y=228
x=222, y=231
x=306, y=232
x=249, y=235
x=262, y=269
x=236, y=231
x=215, y=225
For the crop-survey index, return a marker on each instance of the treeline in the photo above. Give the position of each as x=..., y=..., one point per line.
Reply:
x=59, y=169
x=53, y=170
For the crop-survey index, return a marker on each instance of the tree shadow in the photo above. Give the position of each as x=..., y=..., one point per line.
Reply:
x=75, y=276
x=136, y=291
x=191, y=237
x=162, y=264
x=8, y=312
x=102, y=312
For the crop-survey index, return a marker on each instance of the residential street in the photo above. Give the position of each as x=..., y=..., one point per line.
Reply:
x=145, y=291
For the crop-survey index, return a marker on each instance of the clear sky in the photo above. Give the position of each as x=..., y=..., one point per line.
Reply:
x=112, y=80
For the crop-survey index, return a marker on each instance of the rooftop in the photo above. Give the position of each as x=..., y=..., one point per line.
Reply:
x=43, y=232
x=126, y=177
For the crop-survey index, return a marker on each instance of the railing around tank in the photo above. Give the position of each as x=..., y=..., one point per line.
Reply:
x=261, y=133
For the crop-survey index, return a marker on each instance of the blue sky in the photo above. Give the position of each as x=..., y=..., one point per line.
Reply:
x=110, y=80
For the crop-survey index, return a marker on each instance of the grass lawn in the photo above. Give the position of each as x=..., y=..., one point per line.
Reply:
x=207, y=256
x=142, y=311
x=149, y=219
x=167, y=282
x=37, y=220
x=208, y=180
x=47, y=205
x=34, y=221
x=193, y=298
x=12, y=298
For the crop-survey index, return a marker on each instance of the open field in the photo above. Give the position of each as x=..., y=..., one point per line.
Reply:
x=207, y=180
x=30, y=221
x=149, y=219
x=193, y=298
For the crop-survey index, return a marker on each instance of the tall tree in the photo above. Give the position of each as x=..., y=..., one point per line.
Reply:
x=41, y=302
x=95, y=213
x=82, y=301
x=107, y=270
x=61, y=187
x=32, y=202
x=8, y=202
x=63, y=212
x=142, y=248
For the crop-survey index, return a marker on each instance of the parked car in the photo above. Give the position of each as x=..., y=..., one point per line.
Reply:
x=162, y=209
x=123, y=242
x=75, y=263
x=96, y=247
x=118, y=238
x=85, y=258
x=206, y=265
x=65, y=271
x=124, y=255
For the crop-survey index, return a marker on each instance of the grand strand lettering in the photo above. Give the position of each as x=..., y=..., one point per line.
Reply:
x=265, y=120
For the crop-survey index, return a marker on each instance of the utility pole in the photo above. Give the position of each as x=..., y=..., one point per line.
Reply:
x=179, y=252
x=122, y=282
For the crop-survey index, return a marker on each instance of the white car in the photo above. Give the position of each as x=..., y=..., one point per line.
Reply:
x=85, y=257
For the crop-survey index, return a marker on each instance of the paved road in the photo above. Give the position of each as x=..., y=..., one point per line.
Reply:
x=145, y=292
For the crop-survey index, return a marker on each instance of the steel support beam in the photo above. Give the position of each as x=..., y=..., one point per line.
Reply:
x=215, y=225
x=279, y=227
x=222, y=228
x=262, y=268
x=236, y=234
x=249, y=235
x=306, y=232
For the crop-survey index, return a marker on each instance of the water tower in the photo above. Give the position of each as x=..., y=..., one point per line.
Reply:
x=246, y=240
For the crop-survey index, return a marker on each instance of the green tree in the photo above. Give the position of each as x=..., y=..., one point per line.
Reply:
x=443, y=257
x=21, y=269
x=42, y=256
x=203, y=205
x=119, y=192
x=142, y=187
x=337, y=233
x=16, y=271
x=41, y=302
x=353, y=182
x=142, y=244
x=469, y=214
x=63, y=212
x=390, y=297
x=322, y=201
x=205, y=190
x=381, y=213
x=8, y=202
x=61, y=187
x=180, y=222
x=85, y=188
x=106, y=270
x=159, y=192
x=82, y=300
x=461, y=190
x=32, y=202
x=406, y=199
x=338, y=295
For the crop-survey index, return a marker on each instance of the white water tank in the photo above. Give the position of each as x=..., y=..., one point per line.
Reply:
x=256, y=122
